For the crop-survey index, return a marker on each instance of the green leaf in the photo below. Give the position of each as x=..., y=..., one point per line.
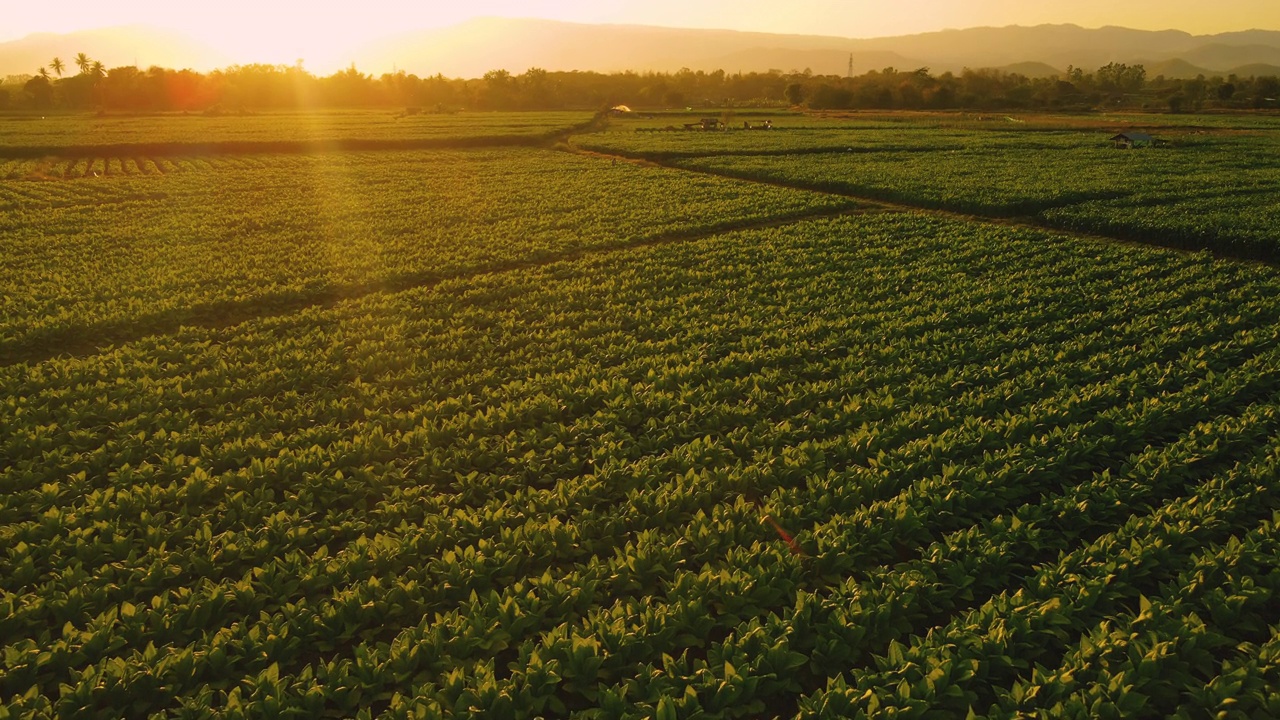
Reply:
x=666, y=710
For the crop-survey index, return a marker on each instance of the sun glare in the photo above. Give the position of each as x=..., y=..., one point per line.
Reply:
x=322, y=48
x=330, y=36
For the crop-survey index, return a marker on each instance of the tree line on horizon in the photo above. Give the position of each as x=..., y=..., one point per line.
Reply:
x=270, y=87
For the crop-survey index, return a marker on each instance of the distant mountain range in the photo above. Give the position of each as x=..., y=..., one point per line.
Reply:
x=475, y=47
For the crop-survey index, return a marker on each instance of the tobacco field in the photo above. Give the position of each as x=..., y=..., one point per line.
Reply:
x=580, y=431
x=17, y=131
x=1216, y=188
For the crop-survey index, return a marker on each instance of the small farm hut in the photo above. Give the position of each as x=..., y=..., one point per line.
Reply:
x=1131, y=140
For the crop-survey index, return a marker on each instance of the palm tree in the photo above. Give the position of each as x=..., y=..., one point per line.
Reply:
x=57, y=66
x=83, y=62
x=97, y=69
x=44, y=72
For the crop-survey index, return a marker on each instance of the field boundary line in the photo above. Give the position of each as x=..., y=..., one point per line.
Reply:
x=893, y=205
x=1019, y=222
x=84, y=341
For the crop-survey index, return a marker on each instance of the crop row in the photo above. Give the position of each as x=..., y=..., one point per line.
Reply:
x=113, y=166
x=542, y=492
x=1074, y=603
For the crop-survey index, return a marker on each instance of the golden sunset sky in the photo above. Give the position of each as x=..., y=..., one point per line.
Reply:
x=279, y=32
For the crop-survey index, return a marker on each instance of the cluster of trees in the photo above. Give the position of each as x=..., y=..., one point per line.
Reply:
x=254, y=87
x=39, y=89
x=264, y=87
x=1113, y=85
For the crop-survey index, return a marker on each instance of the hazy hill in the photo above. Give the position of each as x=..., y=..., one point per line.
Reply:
x=1177, y=68
x=1032, y=70
x=475, y=47
x=140, y=45
x=1055, y=45
x=1063, y=45
x=820, y=62
x=1254, y=70
x=1221, y=57
x=1183, y=70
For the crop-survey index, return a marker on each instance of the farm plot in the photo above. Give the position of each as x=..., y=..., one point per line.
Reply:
x=88, y=130
x=817, y=137
x=870, y=131
x=1023, y=472
x=981, y=178
x=1239, y=217
x=1212, y=192
x=219, y=237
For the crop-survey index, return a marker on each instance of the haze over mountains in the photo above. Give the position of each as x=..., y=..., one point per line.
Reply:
x=136, y=44
x=475, y=47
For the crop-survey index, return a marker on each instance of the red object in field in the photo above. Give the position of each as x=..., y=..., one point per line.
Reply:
x=791, y=542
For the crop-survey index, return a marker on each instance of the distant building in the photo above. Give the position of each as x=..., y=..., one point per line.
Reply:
x=1131, y=140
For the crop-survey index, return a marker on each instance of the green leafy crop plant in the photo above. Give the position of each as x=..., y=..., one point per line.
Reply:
x=540, y=490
